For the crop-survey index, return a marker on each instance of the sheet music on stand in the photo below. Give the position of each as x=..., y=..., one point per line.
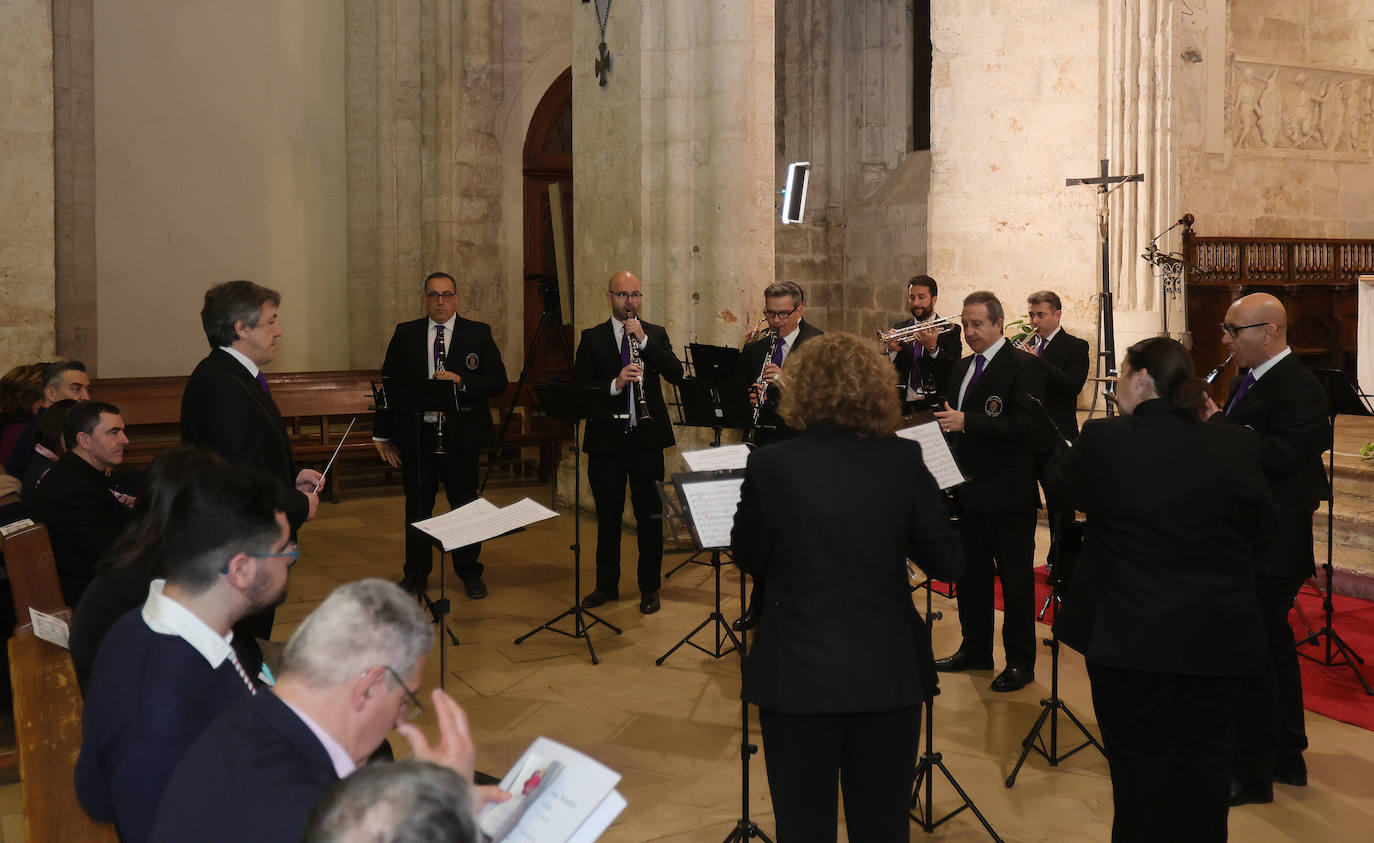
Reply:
x=717, y=459
x=936, y=453
x=481, y=520
x=711, y=498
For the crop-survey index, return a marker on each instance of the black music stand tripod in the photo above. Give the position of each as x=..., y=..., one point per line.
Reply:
x=716, y=620
x=745, y=829
x=574, y=404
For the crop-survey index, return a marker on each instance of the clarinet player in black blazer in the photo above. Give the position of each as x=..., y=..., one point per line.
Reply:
x=1286, y=405
x=784, y=306
x=473, y=362
x=994, y=430
x=837, y=664
x=923, y=365
x=632, y=448
x=1162, y=603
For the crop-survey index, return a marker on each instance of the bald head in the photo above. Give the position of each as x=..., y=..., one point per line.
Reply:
x=1261, y=329
x=623, y=294
x=621, y=278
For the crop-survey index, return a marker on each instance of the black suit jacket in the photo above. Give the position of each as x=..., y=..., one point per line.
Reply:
x=1287, y=408
x=472, y=355
x=751, y=362
x=1066, y=370
x=1176, y=512
x=934, y=369
x=224, y=409
x=83, y=518
x=839, y=632
x=598, y=363
x=1002, y=429
x=253, y=774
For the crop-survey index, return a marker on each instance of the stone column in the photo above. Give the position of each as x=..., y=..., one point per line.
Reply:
x=74, y=163
x=27, y=275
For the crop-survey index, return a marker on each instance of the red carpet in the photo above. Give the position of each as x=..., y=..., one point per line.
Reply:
x=1331, y=691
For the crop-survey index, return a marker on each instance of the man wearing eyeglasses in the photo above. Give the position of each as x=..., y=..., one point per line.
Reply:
x=164, y=672
x=441, y=346
x=629, y=447
x=785, y=308
x=346, y=681
x=1285, y=405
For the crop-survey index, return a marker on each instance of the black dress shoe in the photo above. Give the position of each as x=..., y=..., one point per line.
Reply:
x=1259, y=793
x=648, y=602
x=1012, y=679
x=961, y=661
x=1293, y=775
x=597, y=598
x=412, y=585
x=475, y=588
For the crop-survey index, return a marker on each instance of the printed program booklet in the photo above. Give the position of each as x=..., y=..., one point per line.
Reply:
x=558, y=795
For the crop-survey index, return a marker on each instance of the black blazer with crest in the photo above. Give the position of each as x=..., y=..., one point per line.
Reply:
x=1066, y=370
x=598, y=362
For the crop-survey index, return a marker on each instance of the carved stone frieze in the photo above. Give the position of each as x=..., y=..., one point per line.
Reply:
x=1303, y=111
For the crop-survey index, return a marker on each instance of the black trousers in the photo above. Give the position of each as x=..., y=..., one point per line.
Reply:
x=871, y=756
x=1271, y=727
x=606, y=474
x=421, y=471
x=1000, y=544
x=1168, y=740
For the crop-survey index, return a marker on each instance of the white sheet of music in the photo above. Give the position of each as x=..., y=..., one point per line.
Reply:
x=717, y=459
x=481, y=520
x=936, y=453
x=712, y=504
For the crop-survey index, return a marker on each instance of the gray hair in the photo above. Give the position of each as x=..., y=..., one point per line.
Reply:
x=230, y=303
x=359, y=626
x=1048, y=297
x=408, y=801
x=990, y=299
x=785, y=288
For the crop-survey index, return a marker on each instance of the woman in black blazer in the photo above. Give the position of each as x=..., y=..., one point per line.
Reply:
x=1162, y=603
x=829, y=518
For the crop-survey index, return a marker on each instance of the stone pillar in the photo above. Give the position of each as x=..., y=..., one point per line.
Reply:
x=26, y=183
x=74, y=164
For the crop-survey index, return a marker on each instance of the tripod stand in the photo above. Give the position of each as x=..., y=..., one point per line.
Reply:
x=932, y=761
x=689, y=483
x=745, y=828
x=573, y=404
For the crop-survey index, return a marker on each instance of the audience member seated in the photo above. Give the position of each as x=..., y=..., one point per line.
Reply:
x=63, y=380
x=166, y=671
x=345, y=682
x=406, y=802
x=47, y=445
x=123, y=576
x=77, y=501
x=21, y=394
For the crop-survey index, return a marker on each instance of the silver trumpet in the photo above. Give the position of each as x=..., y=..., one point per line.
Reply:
x=907, y=333
x=637, y=387
x=1026, y=341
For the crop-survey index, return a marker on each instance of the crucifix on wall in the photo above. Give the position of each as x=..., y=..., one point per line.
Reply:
x=603, y=54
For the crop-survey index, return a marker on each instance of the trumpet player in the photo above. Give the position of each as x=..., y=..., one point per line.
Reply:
x=442, y=346
x=627, y=356
x=784, y=309
x=923, y=363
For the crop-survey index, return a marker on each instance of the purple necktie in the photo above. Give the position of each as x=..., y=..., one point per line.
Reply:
x=977, y=373
x=1040, y=349
x=1245, y=384
x=629, y=387
x=438, y=348
x=777, y=352
x=913, y=380
x=262, y=382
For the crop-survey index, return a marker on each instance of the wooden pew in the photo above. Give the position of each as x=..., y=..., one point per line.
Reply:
x=32, y=571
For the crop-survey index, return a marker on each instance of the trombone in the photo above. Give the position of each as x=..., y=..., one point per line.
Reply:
x=907, y=333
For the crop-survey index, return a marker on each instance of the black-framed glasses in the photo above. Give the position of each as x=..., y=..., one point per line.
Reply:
x=622, y=295
x=411, y=707
x=779, y=314
x=435, y=295
x=1234, y=330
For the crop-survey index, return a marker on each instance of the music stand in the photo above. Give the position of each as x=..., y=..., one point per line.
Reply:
x=418, y=397
x=574, y=404
x=713, y=362
x=745, y=829
x=715, y=619
x=1341, y=398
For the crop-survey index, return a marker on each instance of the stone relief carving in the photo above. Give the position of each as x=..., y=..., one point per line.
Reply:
x=1300, y=111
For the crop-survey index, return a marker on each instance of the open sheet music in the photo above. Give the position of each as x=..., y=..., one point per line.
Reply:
x=935, y=451
x=716, y=459
x=711, y=500
x=558, y=795
x=481, y=520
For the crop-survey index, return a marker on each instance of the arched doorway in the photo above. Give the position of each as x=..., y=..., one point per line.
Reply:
x=547, y=160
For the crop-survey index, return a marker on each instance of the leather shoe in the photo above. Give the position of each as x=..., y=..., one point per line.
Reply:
x=1294, y=775
x=475, y=588
x=648, y=602
x=1012, y=679
x=961, y=661
x=1251, y=794
x=411, y=585
x=597, y=598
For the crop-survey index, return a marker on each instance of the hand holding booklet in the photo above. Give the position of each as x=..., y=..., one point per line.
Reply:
x=558, y=795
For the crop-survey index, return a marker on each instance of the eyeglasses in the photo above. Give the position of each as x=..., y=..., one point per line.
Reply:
x=411, y=707
x=1233, y=330
x=622, y=295
x=779, y=314
x=290, y=555
x=434, y=295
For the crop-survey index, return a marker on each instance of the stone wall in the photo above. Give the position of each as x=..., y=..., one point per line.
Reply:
x=74, y=164
x=26, y=182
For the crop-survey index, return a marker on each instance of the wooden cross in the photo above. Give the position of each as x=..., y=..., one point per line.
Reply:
x=603, y=64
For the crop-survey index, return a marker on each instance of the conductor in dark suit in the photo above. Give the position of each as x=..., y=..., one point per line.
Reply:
x=923, y=365
x=631, y=448
x=1162, y=603
x=785, y=308
x=1286, y=405
x=994, y=432
x=839, y=664
x=471, y=361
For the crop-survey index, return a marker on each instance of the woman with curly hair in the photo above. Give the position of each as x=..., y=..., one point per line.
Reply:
x=841, y=662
